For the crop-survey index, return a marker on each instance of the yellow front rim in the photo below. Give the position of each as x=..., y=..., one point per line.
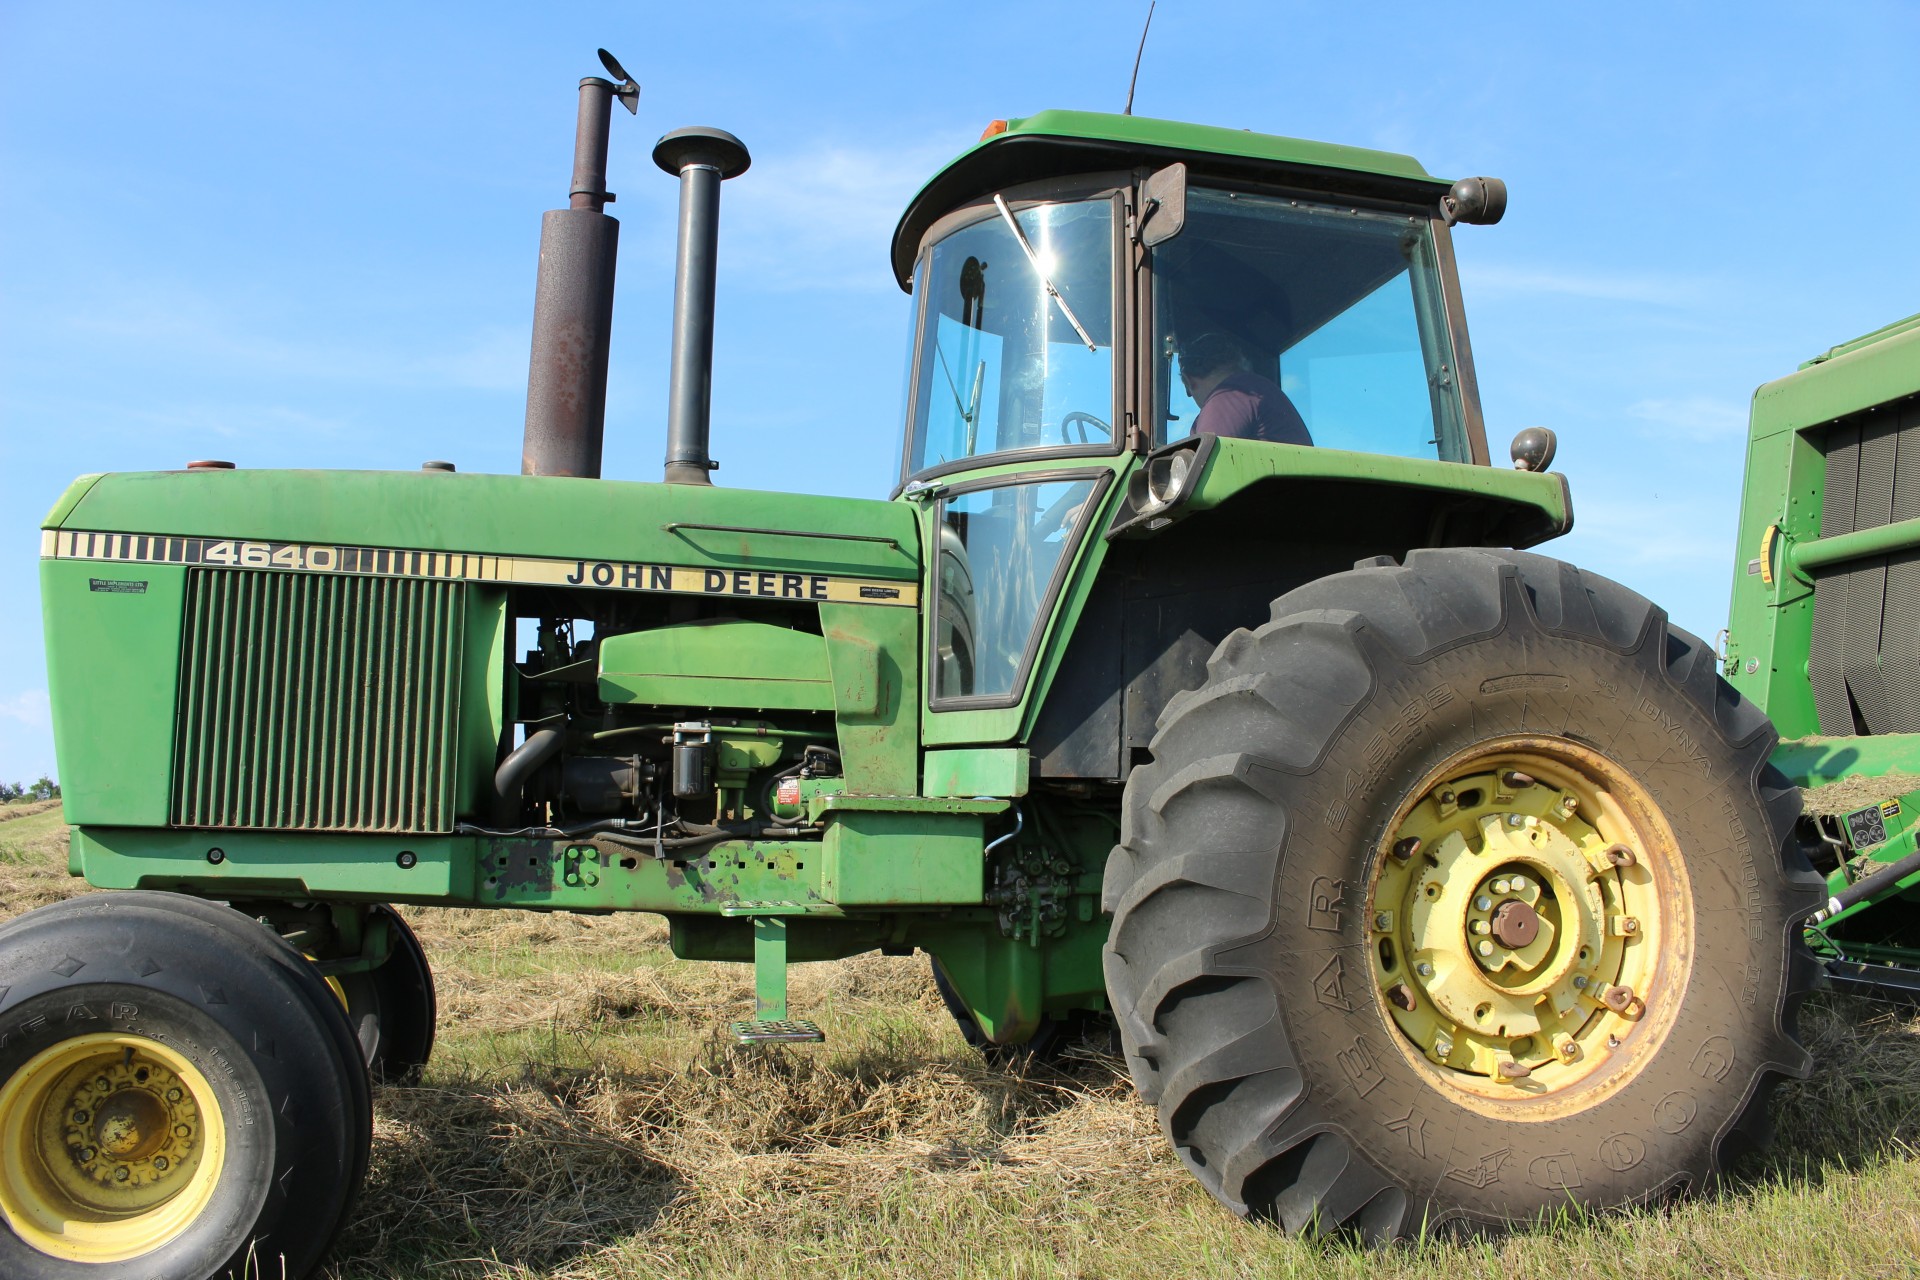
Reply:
x=1532, y=926
x=110, y=1146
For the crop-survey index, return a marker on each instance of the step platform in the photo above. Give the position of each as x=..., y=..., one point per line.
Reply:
x=777, y=1031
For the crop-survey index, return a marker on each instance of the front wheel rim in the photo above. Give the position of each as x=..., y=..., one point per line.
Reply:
x=111, y=1146
x=1531, y=926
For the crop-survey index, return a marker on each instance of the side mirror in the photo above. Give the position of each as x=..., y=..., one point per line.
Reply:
x=1163, y=206
x=1533, y=449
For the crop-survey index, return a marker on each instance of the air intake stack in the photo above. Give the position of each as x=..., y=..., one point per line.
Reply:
x=703, y=158
x=573, y=299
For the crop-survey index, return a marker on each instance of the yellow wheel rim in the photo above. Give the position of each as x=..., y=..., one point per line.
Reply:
x=110, y=1147
x=1532, y=927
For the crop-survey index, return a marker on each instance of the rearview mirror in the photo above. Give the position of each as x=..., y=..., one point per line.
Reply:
x=1163, y=206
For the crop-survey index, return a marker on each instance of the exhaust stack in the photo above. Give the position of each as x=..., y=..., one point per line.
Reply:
x=573, y=299
x=704, y=158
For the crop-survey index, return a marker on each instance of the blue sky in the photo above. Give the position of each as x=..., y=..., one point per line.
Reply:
x=306, y=235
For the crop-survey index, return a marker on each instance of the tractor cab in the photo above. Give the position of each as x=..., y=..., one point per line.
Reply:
x=1099, y=302
x=1046, y=311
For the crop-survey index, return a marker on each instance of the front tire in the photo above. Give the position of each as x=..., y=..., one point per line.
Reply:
x=1377, y=954
x=175, y=1098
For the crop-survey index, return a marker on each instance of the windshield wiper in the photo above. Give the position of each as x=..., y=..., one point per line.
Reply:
x=1034, y=258
x=970, y=410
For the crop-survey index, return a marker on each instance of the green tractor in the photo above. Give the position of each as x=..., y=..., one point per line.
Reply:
x=1427, y=880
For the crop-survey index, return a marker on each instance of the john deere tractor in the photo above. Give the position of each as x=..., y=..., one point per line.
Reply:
x=1426, y=879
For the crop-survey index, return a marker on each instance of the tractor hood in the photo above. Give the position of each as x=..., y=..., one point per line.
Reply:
x=619, y=531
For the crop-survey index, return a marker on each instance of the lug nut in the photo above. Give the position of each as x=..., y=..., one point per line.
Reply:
x=1483, y=903
x=1481, y=926
x=160, y=1163
x=1383, y=921
x=1629, y=925
x=183, y=1131
x=122, y=1173
x=1402, y=996
x=1516, y=819
x=1485, y=948
x=1502, y=885
x=1580, y=981
x=1405, y=849
x=173, y=1095
x=1519, y=884
x=86, y=1154
x=1443, y=1048
x=1424, y=969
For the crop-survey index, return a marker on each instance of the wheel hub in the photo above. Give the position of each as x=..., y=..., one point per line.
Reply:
x=1515, y=916
x=107, y=1148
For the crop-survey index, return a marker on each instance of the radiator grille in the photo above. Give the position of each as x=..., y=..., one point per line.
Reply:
x=318, y=702
x=1864, y=663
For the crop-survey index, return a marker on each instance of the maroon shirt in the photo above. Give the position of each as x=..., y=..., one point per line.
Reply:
x=1251, y=407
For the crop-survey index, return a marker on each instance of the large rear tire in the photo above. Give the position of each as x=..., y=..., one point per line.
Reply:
x=176, y=1097
x=1458, y=891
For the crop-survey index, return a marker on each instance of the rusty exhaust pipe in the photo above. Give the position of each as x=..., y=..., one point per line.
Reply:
x=703, y=158
x=573, y=299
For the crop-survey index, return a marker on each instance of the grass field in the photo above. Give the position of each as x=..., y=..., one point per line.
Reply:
x=582, y=1120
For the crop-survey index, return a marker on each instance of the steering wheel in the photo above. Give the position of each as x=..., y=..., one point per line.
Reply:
x=1083, y=420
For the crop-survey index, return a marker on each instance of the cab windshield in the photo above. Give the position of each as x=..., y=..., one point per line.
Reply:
x=1301, y=323
x=1015, y=335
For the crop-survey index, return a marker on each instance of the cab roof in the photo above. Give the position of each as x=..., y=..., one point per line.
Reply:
x=1057, y=143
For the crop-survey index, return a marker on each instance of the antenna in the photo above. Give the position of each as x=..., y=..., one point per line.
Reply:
x=1136, y=57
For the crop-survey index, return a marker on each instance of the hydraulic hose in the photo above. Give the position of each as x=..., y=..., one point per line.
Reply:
x=1868, y=886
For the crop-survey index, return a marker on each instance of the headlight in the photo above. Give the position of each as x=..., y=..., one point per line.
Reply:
x=1167, y=477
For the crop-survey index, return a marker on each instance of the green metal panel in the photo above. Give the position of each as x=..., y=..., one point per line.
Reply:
x=113, y=653
x=1148, y=134
x=68, y=500
x=1770, y=619
x=977, y=771
x=1770, y=625
x=318, y=702
x=584, y=521
x=873, y=656
x=718, y=662
x=893, y=858
x=1882, y=366
x=1816, y=761
x=483, y=718
x=1534, y=499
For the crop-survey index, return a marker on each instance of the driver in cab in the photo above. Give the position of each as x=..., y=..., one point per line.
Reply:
x=1234, y=400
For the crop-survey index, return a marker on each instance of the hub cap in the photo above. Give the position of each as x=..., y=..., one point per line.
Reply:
x=110, y=1146
x=1520, y=906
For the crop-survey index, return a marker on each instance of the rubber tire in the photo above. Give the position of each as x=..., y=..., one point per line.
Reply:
x=227, y=998
x=392, y=1009
x=1284, y=767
